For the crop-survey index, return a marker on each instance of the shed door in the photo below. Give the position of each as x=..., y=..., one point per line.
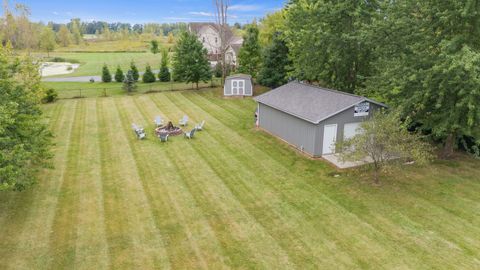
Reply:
x=329, y=139
x=350, y=130
x=238, y=87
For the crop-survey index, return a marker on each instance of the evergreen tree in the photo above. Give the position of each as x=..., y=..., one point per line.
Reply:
x=134, y=70
x=190, y=62
x=154, y=46
x=148, y=76
x=249, y=57
x=218, y=69
x=106, y=76
x=129, y=83
x=164, y=74
x=119, y=76
x=275, y=63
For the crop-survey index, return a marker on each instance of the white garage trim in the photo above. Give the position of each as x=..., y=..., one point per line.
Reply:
x=329, y=139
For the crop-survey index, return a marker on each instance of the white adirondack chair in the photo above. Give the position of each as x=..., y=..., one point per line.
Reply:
x=199, y=127
x=184, y=121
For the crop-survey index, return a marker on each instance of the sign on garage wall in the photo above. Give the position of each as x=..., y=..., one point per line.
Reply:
x=362, y=109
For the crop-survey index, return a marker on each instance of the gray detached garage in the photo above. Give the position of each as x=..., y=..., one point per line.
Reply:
x=312, y=118
x=238, y=85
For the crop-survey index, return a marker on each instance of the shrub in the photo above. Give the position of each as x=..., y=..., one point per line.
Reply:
x=106, y=76
x=148, y=76
x=119, y=75
x=50, y=96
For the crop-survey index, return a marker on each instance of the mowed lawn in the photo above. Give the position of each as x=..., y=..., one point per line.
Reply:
x=233, y=197
x=91, y=63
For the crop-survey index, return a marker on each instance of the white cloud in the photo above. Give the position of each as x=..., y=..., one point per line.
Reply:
x=201, y=13
x=245, y=7
x=55, y=13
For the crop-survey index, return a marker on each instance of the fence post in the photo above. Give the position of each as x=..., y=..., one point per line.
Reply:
x=80, y=92
x=105, y=92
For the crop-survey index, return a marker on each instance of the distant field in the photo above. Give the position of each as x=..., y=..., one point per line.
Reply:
x=116, y=45
x=231, y=198
x=92, y=63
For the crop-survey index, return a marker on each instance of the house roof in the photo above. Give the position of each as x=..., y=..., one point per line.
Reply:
x=239, y=75
x=311, y=103
x=196, y=27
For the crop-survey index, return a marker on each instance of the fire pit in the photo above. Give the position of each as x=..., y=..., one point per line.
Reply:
x=169, y=129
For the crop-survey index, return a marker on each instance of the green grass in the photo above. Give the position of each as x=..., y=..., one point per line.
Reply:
x=91, y=63
x=68, y=90
x=233, y=197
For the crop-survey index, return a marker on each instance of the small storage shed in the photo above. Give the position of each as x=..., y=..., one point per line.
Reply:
x=238, y=85
x=312, y=118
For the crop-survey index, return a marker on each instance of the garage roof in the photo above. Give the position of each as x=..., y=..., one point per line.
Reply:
x=311, y=103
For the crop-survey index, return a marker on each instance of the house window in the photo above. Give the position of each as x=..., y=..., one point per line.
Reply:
x=203, y=39
x=216, y=39
x=238, y=87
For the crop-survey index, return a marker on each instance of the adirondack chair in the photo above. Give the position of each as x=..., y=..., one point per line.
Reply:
x=158, y=121
x=199, y=127
x=184, y=121
x=163, y=137
x=189, y=135
x=139, y=131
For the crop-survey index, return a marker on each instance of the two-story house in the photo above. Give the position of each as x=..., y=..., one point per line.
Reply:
x=209, y=35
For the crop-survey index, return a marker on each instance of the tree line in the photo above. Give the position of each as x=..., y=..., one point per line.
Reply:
x=420, y=57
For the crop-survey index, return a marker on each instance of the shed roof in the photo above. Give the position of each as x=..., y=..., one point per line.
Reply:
x=311, y=103
x=239, y=75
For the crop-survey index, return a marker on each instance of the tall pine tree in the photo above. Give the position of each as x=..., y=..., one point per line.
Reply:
x=164, y=73
x=119, y=76
x=106, y=76
x=134, y=70
x=249, y=57
x=190, y=62
x=275, y=63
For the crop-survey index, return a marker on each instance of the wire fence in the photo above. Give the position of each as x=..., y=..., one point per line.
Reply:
x=94, y=90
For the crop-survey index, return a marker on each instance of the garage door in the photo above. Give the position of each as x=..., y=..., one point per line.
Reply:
x=350, y=130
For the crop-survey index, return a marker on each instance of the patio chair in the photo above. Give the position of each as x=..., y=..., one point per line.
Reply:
x=189, y=135
x=139, y=131
x=163, y=137
x=184, y=121
x=199, y=127
x=158, y=121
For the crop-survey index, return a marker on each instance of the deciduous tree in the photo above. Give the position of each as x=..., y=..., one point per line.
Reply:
x=47, y=40
x=386, y=141
x=24, y=138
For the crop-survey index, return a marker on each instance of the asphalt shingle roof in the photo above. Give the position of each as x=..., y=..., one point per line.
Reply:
x=311, y=103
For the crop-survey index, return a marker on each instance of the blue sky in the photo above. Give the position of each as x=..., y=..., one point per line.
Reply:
x=142, y=11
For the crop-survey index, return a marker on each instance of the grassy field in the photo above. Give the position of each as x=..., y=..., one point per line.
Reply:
x=116, y=45
x=91, y=63
x=233, y=197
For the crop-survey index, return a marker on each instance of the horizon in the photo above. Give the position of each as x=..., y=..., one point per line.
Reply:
x=241, y=11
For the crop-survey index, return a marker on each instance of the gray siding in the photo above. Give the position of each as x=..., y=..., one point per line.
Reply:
x=294, y=130
x=227, y=91
x=340, y=119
